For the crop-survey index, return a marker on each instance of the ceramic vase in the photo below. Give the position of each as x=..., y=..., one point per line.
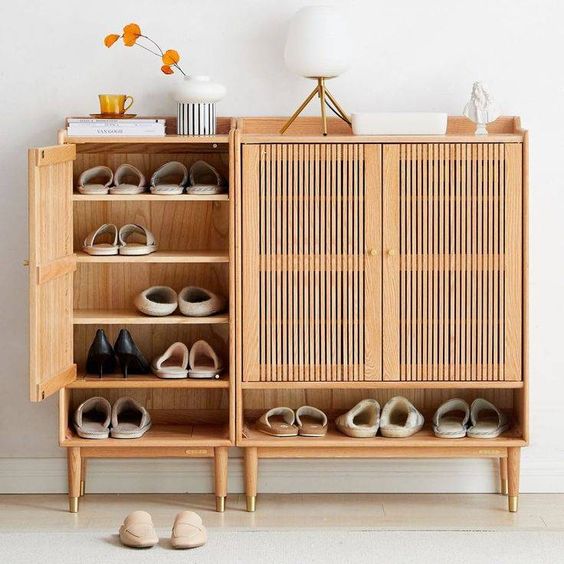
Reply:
x=196, y=100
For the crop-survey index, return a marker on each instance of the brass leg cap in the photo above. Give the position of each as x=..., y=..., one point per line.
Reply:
x=73, y=504
x=513, y=503
x=251, y=503
x=504, y=488
x=82, y=488
x=220, y=503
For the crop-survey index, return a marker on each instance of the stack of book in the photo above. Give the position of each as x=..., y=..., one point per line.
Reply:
x=136, y=127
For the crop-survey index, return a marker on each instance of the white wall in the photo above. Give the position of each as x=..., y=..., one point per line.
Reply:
x=410, y=55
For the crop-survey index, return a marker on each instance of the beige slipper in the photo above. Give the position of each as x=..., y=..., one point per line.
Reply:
x=170, y=179
x=204, y=362
x=92, y=246
x=188, y=531
x=92, y=418
x=361, y=421
x=138, y=531
x=157, y=301
x=400, y=418
x=278, y=422
x=199, y=302
x=311, y=422
x=205, y=180
x=486, y=420
x=130, y=420
x=134, y=248
x=173, y=363
x=128, y=179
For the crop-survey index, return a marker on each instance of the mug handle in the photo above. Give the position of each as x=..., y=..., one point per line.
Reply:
x=125, y=108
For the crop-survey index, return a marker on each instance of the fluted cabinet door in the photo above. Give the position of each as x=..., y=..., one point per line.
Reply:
x=452, y=262
x=311, y=262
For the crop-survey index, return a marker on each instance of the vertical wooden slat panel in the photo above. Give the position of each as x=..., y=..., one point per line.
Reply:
x=390, y=242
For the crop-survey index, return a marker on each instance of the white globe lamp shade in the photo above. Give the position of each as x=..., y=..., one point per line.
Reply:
x=318, y=43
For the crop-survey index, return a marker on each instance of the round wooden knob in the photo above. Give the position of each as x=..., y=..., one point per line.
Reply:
x=373, y=252
x=26, y=262
x=391, y=252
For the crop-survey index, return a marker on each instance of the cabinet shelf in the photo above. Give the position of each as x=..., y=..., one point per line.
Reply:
x=212, y=257
x=171, y=138
x=131, y=317
x=148, y=198
x=334, y=438
x=117, y=381
x=160, y=435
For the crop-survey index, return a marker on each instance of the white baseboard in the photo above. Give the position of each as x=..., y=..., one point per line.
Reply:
x=49, y=475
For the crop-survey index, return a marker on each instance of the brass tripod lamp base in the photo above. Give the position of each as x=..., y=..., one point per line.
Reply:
x=326, y=99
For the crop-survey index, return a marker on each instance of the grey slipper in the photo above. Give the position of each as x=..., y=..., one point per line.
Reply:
x=486, y=420
x=128, y=179
x=204, y=179
x=95, y=180
x=130, y=420
x=199, y=302
x=451, y=419
x=92, y=418
x=170, y=179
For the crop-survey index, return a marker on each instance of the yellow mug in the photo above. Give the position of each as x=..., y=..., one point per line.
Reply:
x=114, y=104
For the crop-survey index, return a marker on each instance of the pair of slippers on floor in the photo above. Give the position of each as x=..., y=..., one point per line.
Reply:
x=172, y=178
x=138, y=531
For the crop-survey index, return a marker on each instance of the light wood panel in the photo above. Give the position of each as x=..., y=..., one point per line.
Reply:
x=305, y=222
x=452, y=262
x=195, y=257
x=51, y=265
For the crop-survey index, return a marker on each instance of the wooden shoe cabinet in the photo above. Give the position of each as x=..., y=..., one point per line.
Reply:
x=378, y=266
x=74, y=294
x=355, y=267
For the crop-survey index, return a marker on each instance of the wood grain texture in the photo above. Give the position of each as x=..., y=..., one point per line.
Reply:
x=52, y=263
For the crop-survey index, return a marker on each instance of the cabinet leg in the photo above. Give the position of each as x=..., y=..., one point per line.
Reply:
x=513, y=463
x=73, y=468
x=251, y=471
x=503, y=476
x=220, y=462
x=82, y=476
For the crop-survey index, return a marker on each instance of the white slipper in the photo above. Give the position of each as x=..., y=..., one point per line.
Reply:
x=173, y=363
x=361, y=421
x=133, y=248
x=205, y=180
x=188, y=531
x=138, y=531
x=170, y=179
x=92, y=247
x=92, y=418
x=486, y=420
x=157, y=301
x=451, y=419
x=128, y=180
x=95, y=180
x=199, y=302
x=400, y=418
x=130, y=420
x=204, y=362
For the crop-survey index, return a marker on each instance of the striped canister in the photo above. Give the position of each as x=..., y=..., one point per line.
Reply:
x=195, y=119
x=196, y=99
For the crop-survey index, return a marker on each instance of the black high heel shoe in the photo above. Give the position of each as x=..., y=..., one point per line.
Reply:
x=130, y=357
x=101, y=359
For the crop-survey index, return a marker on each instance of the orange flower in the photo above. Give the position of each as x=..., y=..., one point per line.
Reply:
x=131, y=32
x=109, y=40
x=166, y=69
x=170, y=57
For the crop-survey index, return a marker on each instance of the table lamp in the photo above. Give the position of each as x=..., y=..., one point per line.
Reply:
x=318, y=47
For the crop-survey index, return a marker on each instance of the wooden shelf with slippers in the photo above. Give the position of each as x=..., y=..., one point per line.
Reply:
x=371, y=267
x=72, y=294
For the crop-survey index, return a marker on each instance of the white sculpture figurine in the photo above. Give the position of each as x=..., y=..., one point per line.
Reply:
x=481, y=108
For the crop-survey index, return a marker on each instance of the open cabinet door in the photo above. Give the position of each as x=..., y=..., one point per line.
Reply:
x=52, y=263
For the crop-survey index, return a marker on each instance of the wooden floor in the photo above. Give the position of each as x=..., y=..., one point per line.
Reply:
x=353, y=511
